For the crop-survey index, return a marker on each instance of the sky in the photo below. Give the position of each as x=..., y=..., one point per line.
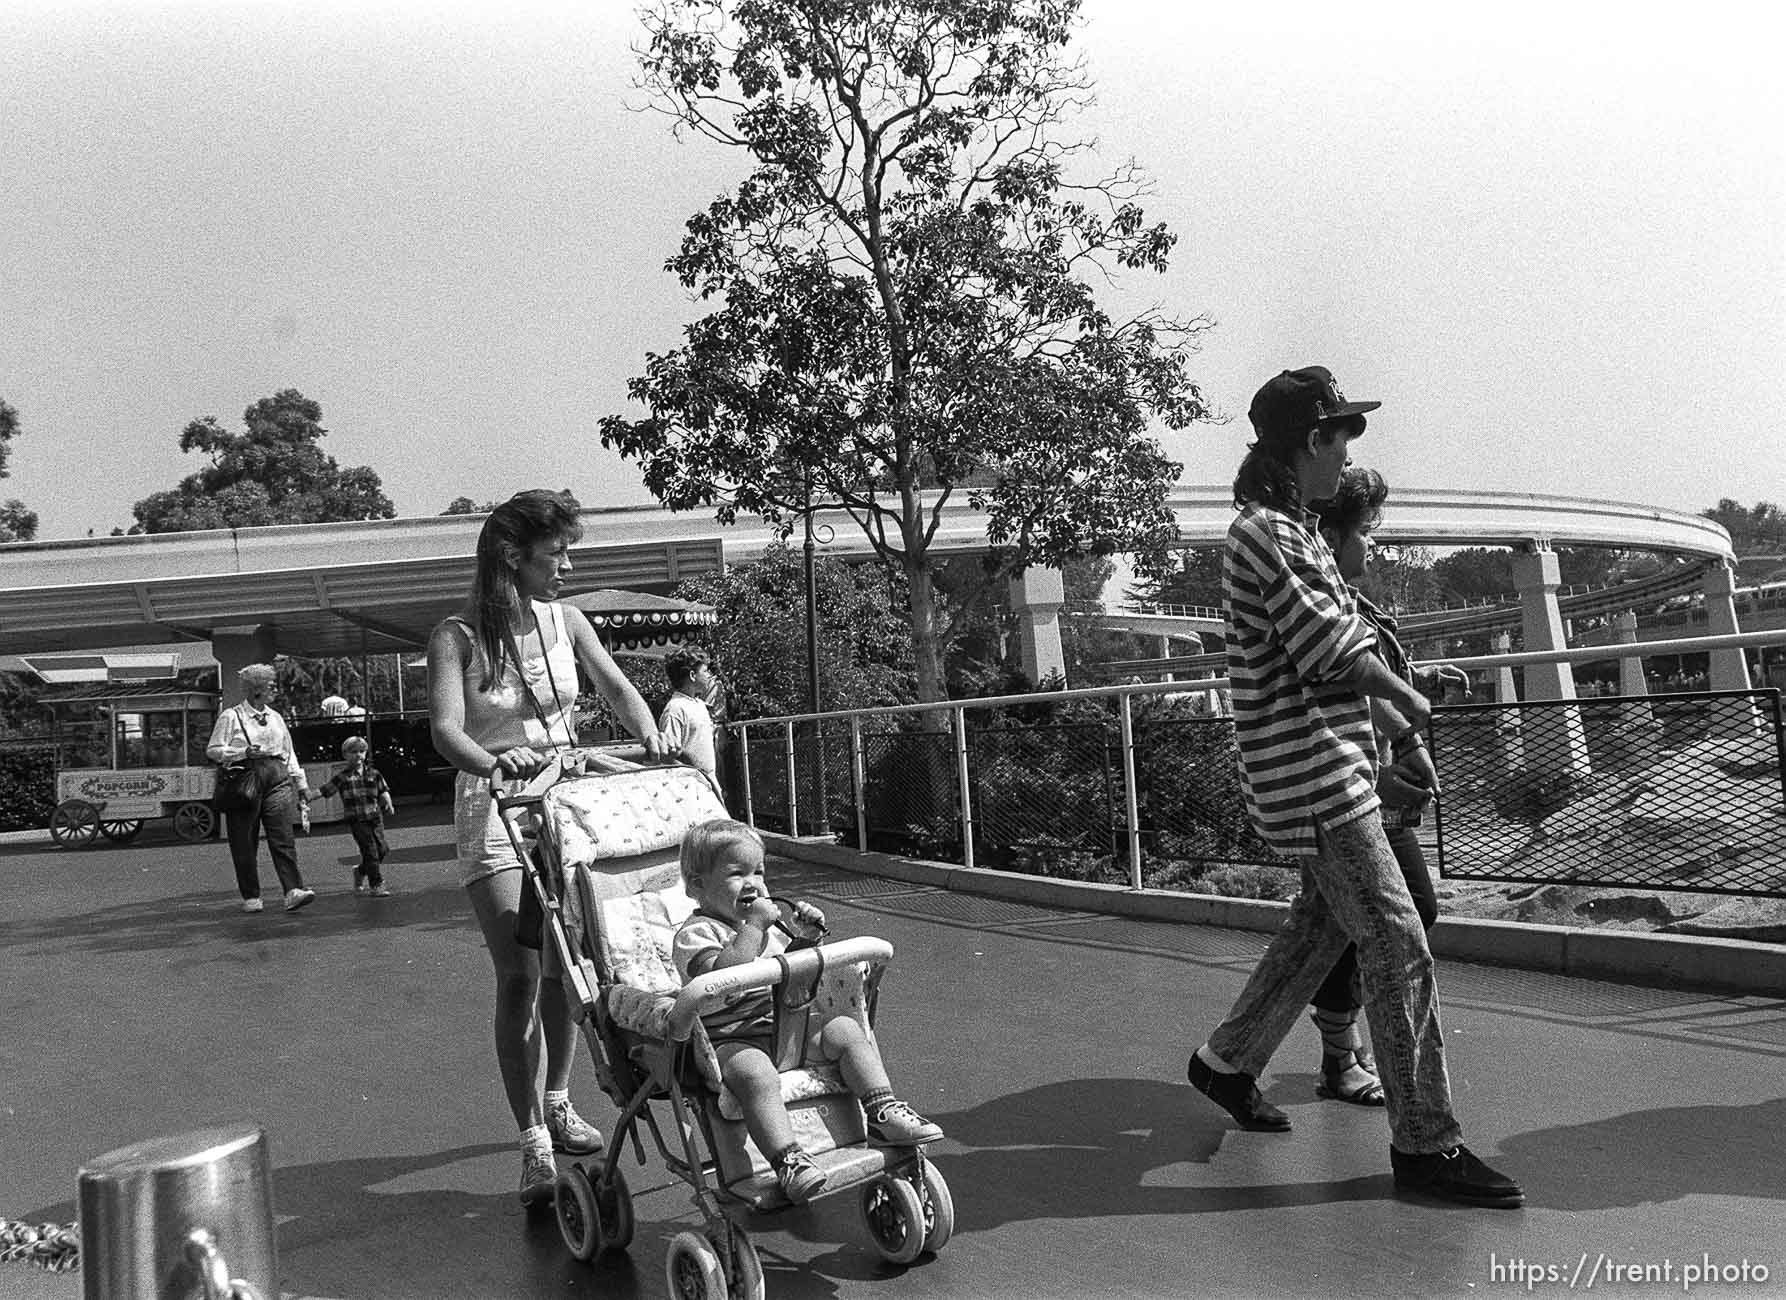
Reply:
x=1551, y=239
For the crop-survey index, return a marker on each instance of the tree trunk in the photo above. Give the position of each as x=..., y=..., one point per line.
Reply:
x=926, y=650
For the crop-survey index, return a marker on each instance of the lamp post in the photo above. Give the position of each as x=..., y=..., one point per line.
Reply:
x=821, y=823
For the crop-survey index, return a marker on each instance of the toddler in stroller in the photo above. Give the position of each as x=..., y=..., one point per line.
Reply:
x=607, y=871
x=736, y=921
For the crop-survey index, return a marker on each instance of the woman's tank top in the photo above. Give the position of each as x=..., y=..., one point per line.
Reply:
x=502, y=717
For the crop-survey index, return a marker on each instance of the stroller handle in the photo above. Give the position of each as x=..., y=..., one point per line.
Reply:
x=709, y=992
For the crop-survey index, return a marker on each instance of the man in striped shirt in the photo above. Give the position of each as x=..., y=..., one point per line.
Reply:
x=1303, y=675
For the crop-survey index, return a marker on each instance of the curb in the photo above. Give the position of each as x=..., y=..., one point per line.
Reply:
x=1672, y=960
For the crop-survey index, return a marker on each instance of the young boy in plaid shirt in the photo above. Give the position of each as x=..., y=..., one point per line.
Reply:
x=365, y=799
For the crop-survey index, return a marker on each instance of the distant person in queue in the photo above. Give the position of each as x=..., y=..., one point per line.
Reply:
x=502, y=686
x=1347, y=520
x=1303, y=670
x=253, y=733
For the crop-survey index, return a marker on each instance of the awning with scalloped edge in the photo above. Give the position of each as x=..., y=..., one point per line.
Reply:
x=635, y=622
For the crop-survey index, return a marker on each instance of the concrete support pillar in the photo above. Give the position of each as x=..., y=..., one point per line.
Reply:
x=1509, y=752
x=235, y=648
x=1729, y=670
x=1036, y=597
x=1554, y=740
x=1632, y=683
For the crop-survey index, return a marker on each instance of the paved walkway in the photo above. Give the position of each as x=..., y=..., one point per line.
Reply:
x=1646, y=1123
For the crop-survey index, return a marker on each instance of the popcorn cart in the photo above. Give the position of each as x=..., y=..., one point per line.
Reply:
x=128, y=752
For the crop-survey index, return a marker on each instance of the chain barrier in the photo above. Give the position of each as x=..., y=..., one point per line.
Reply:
x=53, y=1247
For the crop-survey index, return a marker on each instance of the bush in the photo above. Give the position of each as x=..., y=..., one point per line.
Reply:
x=27, y=787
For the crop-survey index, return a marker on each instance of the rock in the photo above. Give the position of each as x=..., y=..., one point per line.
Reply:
x=1761, y=920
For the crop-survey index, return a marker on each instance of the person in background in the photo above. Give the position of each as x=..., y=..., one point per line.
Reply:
x=253, y=732
x=1303, y=672
x=365, y=803
x=502, y=689
x=686, y=723
x=1346, y=520
x=332, y=706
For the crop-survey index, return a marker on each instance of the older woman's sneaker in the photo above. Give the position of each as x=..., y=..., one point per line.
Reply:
x=571, y=1133
x=252, y=905
x=895, y=1124
x=299, y=897
x=1454, y=1175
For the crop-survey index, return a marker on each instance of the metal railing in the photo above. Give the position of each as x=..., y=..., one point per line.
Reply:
x=1138, y=784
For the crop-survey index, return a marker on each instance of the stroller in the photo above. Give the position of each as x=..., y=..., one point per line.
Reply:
x=602, y=867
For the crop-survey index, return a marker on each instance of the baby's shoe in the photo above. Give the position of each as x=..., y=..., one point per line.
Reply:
x=895, y=1124
x=800, y=1177
x=571, y=1133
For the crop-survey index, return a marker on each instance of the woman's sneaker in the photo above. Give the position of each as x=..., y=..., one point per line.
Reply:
x=895, y=1124
x=539, y=1176
x=801, y=1179
x=571, y=1133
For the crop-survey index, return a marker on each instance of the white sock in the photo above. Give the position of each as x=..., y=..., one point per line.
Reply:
x=537, y=1138
x=1213, y=1061
x=553, y=1097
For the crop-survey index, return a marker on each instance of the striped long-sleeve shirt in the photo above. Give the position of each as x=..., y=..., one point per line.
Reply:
x=1307, y=756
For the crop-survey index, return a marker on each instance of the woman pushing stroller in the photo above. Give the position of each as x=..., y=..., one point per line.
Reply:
x=503, y=676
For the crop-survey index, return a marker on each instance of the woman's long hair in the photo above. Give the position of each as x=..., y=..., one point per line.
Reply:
x=523, y=521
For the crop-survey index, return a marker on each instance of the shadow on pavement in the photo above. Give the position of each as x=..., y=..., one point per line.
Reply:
x=206, y=918
x=1652, y=1156
x=1117, y=1136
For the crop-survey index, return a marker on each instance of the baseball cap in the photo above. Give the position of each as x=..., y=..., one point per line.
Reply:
x=1297, y=400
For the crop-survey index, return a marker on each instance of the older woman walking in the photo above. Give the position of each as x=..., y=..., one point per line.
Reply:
x=502, y=683
x=252, y=732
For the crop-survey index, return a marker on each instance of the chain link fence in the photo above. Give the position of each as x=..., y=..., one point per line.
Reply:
x=1656, y=792
x=1679, y=792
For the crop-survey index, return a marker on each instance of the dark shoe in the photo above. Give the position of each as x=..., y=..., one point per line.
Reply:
x=1237, y=1094
x=1454, y=1175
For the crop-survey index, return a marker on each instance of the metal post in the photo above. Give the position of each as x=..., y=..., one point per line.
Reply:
x=1130, y=797
x=821, y=823
x=958, y=719
x=750, y=811
x=859, y=783
x=793, y=792
x=179, y=1217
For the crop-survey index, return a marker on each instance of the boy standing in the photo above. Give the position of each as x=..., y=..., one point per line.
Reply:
x=686, y=722
x=365, y=800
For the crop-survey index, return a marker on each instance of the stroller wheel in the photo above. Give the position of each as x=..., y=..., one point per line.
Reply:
x=579, y=1221
x=693, y=1270
x=939, y=1209
x=614, y=1201
x=746, y=1268
x=894, y=1217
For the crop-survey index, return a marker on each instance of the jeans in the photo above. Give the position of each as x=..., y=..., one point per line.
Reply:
x=370, y=837
x=1353, y=891
x=1342, y=991
x=277, y=810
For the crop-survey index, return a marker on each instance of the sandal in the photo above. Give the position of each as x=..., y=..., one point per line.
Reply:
x=1332, y=1087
